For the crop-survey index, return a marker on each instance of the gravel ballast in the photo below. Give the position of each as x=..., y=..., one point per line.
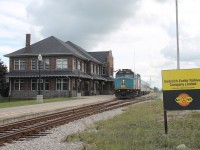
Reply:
x=56, y=140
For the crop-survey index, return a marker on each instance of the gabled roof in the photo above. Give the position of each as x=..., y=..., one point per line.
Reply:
x=48, y=46
x=101, y=56
x=83, y=52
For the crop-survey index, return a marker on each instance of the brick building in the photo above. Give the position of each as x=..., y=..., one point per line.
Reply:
x=65, y=70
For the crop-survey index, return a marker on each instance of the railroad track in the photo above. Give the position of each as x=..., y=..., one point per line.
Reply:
x=36, y=126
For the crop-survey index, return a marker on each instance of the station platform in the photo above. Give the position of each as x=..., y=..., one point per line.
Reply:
x=13, y=114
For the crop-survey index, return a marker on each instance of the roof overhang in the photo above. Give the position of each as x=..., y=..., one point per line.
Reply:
x=56, y=73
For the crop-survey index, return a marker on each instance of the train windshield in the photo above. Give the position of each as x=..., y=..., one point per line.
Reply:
x=127, y=75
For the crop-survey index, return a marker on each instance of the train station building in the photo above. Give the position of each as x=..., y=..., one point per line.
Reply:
x=56, y=68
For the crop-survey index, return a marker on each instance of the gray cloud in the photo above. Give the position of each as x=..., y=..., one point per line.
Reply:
x=81, y=21
x=161, y=1
x=188, y=50
x=170, y=51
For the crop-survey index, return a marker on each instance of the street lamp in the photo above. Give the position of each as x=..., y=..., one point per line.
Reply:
x=39, y=60
x=79, y=67
x=78, y=81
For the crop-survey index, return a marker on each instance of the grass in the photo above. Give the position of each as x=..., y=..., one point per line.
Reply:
x=14, y=103
x=141, y=127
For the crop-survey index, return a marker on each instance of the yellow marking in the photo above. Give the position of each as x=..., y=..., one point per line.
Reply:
x=183, y=79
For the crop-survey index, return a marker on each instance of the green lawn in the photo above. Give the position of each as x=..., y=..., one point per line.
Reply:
x=141, y=127
x=13, y=103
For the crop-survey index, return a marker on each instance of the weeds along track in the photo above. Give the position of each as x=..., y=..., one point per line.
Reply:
x=35, y=127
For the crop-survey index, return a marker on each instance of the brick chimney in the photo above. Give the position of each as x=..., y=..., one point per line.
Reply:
x=28, y=43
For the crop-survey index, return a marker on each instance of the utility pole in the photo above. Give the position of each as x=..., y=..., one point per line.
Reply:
x=177, y=36
x=178, y=63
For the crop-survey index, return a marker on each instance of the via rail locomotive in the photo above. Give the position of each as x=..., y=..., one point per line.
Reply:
x=128, y=84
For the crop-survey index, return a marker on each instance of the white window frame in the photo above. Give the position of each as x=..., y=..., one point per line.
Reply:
x=62, y=64
x=46, y=82
x=61, y=86
x=20, y=82
x=42, y=82
x=33, y=81
x=103, y=70
x=34, y=61
x=91, y=67
x=98, y=70
x=79, y=65
x=36, y=81
x=21, y=64
x=46, y=64
x=74, y=64
x=83, y=67
x=95, y=71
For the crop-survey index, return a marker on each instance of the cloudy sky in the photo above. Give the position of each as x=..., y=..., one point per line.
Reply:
x=140, y=33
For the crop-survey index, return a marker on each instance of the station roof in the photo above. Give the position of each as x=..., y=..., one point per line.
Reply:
x=52, y=46
x=48, y=73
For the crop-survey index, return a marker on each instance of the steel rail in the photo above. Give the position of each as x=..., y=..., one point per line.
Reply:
x=72, y=115
x=34, y=120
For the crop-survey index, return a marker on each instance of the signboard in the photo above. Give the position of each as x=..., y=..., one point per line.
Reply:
x=181, y=89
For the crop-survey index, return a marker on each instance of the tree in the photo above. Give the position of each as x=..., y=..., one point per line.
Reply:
x=155, y=89
x=3, y=85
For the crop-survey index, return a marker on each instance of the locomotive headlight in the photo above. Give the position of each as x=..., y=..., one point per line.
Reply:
x=123, y=82
x=123, y=85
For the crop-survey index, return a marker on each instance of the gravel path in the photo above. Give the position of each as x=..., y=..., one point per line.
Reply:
x=55, y=140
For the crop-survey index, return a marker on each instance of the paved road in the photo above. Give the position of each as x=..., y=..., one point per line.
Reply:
x=15, y=113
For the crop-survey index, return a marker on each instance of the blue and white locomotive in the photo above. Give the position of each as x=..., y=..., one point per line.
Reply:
x=128, y=84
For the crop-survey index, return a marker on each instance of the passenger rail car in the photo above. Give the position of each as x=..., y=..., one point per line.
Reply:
x=145, y=88
x=127, y=84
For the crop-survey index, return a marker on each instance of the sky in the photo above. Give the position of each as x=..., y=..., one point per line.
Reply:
x=140, y=33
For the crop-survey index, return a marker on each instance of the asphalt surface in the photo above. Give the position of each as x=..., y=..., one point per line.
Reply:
x=8, y=115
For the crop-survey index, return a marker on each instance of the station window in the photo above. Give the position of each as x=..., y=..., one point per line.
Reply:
x=19, y=64
x=61, y=84
x=91, y=68
x=61, y=63
x=19, y=85
x=35, y=84
x=83, y=67
x=103, y=70
x=45, y=64
x=74, y=64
